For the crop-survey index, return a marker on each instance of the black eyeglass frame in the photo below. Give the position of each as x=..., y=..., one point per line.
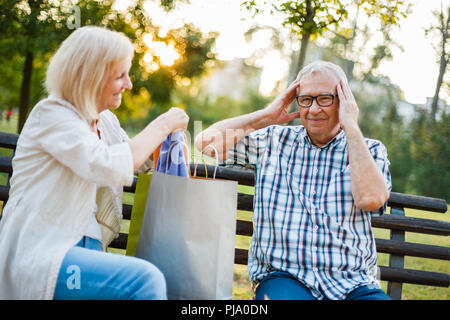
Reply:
x=315, y=98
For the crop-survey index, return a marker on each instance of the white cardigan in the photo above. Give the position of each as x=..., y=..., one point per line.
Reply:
x=59, y=163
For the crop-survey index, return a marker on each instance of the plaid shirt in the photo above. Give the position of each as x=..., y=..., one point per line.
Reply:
x=305, y=219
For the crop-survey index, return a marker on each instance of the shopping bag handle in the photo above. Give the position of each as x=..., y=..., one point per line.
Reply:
x=193, y=156
x=206, y=170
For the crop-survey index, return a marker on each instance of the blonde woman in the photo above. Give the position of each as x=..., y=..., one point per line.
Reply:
x=71, y=146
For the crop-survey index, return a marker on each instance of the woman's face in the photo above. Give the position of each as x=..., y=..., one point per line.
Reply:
x=115, y=84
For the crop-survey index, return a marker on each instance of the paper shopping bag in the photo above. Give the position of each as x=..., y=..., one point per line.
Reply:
x=175, y=164
x=188, y=232
x=137, y=213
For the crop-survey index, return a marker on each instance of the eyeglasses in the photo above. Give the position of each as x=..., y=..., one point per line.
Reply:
x=323, y=100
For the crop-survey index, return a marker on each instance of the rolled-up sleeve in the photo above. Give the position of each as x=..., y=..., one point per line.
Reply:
x=379, y=154
x=247, y=151
x=148, y=164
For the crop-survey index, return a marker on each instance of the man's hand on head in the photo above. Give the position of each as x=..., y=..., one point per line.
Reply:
x=277, y=111
x=348, y=108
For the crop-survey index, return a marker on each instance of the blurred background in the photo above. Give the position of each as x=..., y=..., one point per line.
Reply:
x=222, y=58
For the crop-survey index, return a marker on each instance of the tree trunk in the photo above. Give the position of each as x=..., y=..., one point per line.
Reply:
x=306, y=34
x=296, y=66
x=303, y=49
x=293, y=67
x=444, y=29
x=25, y=90
x=298, y=60
x=434, y=104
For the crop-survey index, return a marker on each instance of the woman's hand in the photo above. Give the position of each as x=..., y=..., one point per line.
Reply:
x=277, y=112
x=146, y=141
x=174, y=120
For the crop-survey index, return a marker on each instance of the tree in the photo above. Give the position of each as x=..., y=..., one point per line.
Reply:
x=442, y=27
x=155, y=82
x=310, y=19
x=362, y=60
x=306, y=19
x=32, y=30
x=430, y=149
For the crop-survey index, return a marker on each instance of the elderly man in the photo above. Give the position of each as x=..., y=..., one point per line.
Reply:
x=316, y=187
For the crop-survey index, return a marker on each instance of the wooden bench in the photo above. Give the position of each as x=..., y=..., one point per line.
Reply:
x=396, y=222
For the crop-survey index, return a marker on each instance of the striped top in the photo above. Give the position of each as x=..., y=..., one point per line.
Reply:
x=305, y=219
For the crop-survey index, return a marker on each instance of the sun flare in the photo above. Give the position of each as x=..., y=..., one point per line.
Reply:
x=167, y=53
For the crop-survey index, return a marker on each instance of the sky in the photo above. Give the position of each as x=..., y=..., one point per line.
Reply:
x=414, y=70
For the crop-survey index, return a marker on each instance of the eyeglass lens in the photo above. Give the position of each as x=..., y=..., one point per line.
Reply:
x=322, y=100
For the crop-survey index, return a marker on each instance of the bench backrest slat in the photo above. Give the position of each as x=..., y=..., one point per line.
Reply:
x=8, y=140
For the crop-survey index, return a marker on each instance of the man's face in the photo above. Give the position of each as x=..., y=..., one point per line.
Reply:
x=321, y=123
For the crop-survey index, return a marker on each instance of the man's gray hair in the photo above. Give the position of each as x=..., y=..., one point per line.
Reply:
x=323, y=67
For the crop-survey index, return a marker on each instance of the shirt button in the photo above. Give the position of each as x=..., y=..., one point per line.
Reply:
x=316, y=227
x=316, y=171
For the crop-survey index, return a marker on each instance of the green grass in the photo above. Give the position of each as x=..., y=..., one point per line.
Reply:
x=10, y=126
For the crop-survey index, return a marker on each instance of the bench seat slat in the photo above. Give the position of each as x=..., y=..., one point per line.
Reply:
x=386, y=221
x=4, y=193
x=120, y=242
x=415, y=276
x=417, y=202
x=5, y=164
x=383, y=245
x=245, y=228
x=8, y=140
x=244, y=177
x=418, y=225
x=132, y=188
x=245, y=202
x=386, y=273
x=126, y=211
x=412, y=249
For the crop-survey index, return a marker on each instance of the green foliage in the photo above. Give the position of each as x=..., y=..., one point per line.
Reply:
x=430, y=148
x=170, y=4
x=38, y=27
x=377, y=100
x=312, y=18
x=29, y=29
x=418, y=150
x=305, y=18
x=156, y=87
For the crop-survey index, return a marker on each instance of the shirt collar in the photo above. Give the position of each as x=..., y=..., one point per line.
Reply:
x=66, y=104
x=335, y=140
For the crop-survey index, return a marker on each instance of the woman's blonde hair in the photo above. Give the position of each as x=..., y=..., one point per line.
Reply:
x=82, y=63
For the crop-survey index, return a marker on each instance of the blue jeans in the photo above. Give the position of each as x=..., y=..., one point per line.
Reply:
x=283, y=286
x=88, y=273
